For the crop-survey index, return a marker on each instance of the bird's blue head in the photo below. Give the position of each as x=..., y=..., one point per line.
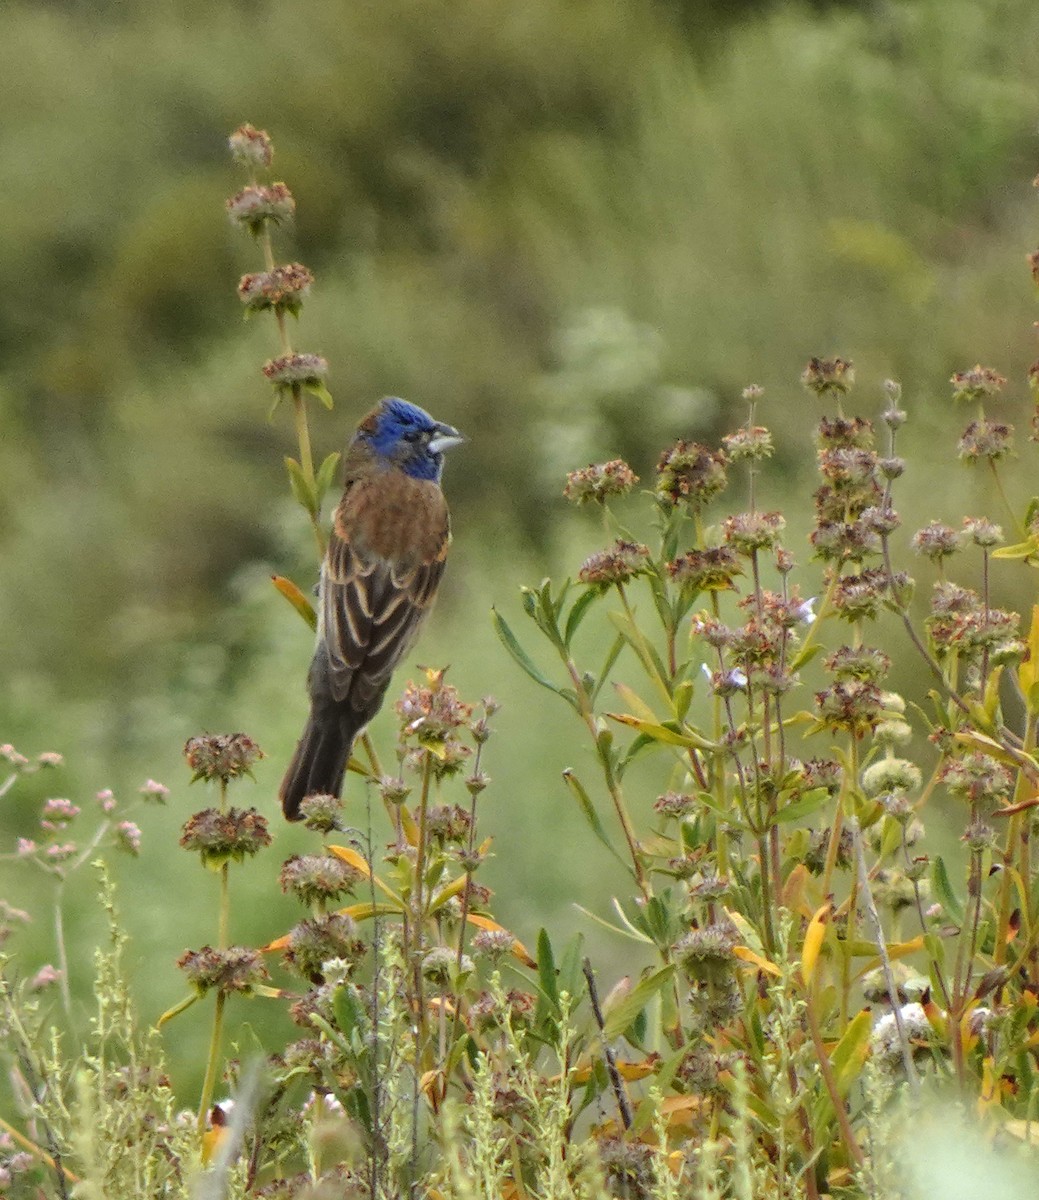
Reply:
x=407, y=436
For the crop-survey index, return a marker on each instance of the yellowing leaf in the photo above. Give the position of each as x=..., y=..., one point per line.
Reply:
x=296, y=598
x=813, y=942
x=518, y=949
x=351, y=857
x=745, y=954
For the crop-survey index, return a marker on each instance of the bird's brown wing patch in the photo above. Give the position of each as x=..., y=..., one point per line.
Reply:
x=372, y=610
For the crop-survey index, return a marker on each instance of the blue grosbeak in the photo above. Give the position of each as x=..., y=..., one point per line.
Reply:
x=384, y=561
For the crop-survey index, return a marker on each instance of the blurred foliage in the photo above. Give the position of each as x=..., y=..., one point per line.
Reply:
x=572, y=229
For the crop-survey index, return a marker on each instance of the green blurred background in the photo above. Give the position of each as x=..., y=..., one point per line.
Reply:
x=573, y=228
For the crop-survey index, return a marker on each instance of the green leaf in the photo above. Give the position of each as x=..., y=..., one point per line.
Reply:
x=591, y=816
x=326, y=473
x=571, y=969
x=301, y=486
x=663, y=733
x=349, y=1015
x=523, y=659
x=577, y=613
x=316, y=388
x=805, y=656
x=547, y=969
x=943, y=890
x=809, y=803
x=624, y=1013
x=611, y=657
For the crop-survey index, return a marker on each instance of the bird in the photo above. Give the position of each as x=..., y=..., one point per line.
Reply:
x=385, y=558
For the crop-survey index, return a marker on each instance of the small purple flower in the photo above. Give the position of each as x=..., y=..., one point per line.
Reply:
x=151, y=790
x=45, y=977
x=128, y=837
x=58, y=813
x=106, y=800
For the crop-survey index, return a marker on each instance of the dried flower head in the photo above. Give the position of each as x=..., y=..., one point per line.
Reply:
x=707, y=954
x=858, y=662
x=221, y=837
x=976, y=776
x=936, y=541
x=318, y=878
x=486, y=1012
x=448, y=823
x=251, y=147
x=891, y=775
x=751, y=532
x=844, y=433
x=674, y=804
x=982, y=532
x=711, y=570
x=320, y=940
x=493, y=943
x=858, y=597
x=282, y=289
x=828, y=376
x=753, y=442
x=322, y=813
x=621, y=562
x=597, y=482
x=236, y=969
x=442, y=966
x=222, y=756
x=255, y=205
x=306, y=370
x=691, y=473
x=991, y=440
x=978, y=383
x=853, y=705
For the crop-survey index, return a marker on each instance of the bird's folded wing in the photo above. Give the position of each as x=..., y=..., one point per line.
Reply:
x=372, y=609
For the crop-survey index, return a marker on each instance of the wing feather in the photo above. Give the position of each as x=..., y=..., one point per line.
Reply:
x=371, y=613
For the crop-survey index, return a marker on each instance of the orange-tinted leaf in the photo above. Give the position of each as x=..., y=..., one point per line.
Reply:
x=296, y=598
x=813, y=942
x=518, y=949
x=745, y=954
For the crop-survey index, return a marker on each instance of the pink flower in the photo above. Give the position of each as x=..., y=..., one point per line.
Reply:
x=44, y=978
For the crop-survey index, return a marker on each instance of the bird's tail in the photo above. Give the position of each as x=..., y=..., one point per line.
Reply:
x=319, y=764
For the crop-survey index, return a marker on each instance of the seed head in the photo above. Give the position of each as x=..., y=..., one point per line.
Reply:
x=318, y=940
x=221, y=837
x=936, y=541
x=710, y=570
x=254, y=205
x=990, y=440
x=302, y=369
x=598, y=482
x=689, y=472
x=282, y=289
x=251, y=147
x=222, y=756
x=318, y=878
x=978, y=383
x=828, y=376
x=236, y=969
x=621, y=562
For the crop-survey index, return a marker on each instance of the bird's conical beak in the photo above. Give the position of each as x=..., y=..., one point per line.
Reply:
x=446, y=436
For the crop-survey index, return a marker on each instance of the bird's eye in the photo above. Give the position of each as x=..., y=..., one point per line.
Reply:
x=413, y=435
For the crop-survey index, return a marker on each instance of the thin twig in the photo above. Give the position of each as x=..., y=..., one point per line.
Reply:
x=611, y=1062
